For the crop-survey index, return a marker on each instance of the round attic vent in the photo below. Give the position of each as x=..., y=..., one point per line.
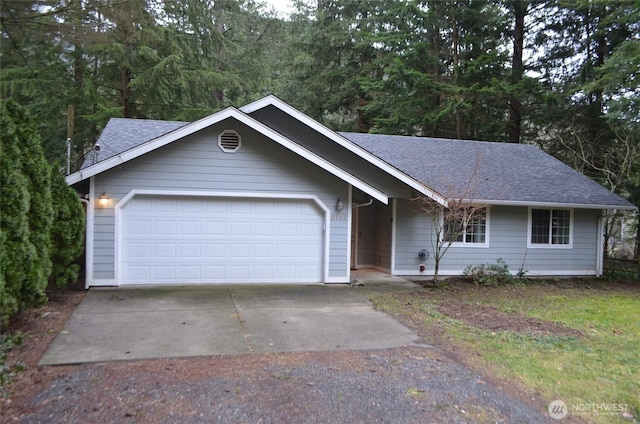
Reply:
x=229, y=141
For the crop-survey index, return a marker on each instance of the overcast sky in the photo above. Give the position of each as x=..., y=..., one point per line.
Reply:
x=282, y=6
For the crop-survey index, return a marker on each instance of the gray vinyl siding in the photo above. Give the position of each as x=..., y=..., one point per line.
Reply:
x=507, y=240
x=320, y=145
x=413, y=231
x=197, y=163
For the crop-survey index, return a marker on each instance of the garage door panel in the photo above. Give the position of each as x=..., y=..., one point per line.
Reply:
x=262, y=251
x=164, y=227
x=139, y=250
x=140, y=273
x=165, y=250
x=193, y=206
x=239, y=251
x=193, y=228
x=238, y=272
x=164, y=273
x=190, y=273
x=239, y=208
x=262, y=229
x=264, y=208
x=215, y=228
x=138, y=226
x=214, y=250
x=239, y=228
x=263, y=272
x=167, y=207
x=286, y=271
x=207, y=240
x=214, y=273
x=190, y=250
x=308, y=250
x=141, y=205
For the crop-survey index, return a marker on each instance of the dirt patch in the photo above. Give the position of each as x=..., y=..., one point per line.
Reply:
x=463, y=300
x=40, y=326
x=489, y=318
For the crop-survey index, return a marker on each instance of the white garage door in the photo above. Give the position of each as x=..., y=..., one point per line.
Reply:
x=178, y=240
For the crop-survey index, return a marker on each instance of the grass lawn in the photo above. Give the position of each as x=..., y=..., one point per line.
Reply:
x=569, y=340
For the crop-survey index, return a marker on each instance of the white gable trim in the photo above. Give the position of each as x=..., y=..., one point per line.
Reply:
x=272, y=100
x=227, y=113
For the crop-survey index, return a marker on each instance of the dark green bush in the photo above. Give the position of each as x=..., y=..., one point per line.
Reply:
x=67, y=236
x=490, y=274
x=17, y=253
x=27, y=227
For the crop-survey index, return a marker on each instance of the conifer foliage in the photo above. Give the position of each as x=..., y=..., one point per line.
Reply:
x=29, y=247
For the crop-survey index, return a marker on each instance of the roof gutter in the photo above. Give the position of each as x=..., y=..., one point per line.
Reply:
x=630, y=207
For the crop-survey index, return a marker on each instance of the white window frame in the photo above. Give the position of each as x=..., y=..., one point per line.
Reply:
x=464, y=243
x=549, y=245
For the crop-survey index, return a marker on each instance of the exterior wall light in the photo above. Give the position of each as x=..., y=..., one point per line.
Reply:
x=104, y=200
x=339, y=205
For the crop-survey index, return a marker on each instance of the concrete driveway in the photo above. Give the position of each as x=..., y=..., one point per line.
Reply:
x=184, y=321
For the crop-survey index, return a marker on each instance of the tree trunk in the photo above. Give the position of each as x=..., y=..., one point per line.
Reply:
x=456, y=74
x=125, y=91
x=517, y=69
x=436, y=268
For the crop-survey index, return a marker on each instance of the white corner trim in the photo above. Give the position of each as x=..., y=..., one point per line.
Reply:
x=600, y=246
x=272, y=100
x=349, y=209
x=394, y=220
x=234, y=194
x=89, y=234
x=215, y=118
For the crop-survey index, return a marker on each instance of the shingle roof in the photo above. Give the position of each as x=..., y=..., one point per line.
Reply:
x=122, y=134
x=489, y=171
x=475, y=170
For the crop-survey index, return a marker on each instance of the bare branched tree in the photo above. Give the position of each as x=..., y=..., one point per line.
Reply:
x=461, y=217
x=617, y=168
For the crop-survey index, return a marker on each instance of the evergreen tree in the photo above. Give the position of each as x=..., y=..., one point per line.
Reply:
x=67, y=235
x=19, y=257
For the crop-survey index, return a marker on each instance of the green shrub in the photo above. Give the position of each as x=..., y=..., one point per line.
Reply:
x=17, y=252
x=490, y=274
x=67, y=236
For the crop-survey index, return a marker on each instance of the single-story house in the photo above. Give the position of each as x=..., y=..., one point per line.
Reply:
x=263, y=193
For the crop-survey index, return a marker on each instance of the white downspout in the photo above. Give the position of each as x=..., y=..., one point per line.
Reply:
x=89, y=234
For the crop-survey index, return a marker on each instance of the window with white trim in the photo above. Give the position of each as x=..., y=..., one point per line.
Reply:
x=550, y=227
x=467, y=226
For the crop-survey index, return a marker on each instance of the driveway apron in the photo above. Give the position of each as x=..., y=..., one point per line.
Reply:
x=187, y=321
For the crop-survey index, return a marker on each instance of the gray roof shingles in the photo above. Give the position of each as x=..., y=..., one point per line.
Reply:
x=491, y=171
x=474, y=170
x=122, y=134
